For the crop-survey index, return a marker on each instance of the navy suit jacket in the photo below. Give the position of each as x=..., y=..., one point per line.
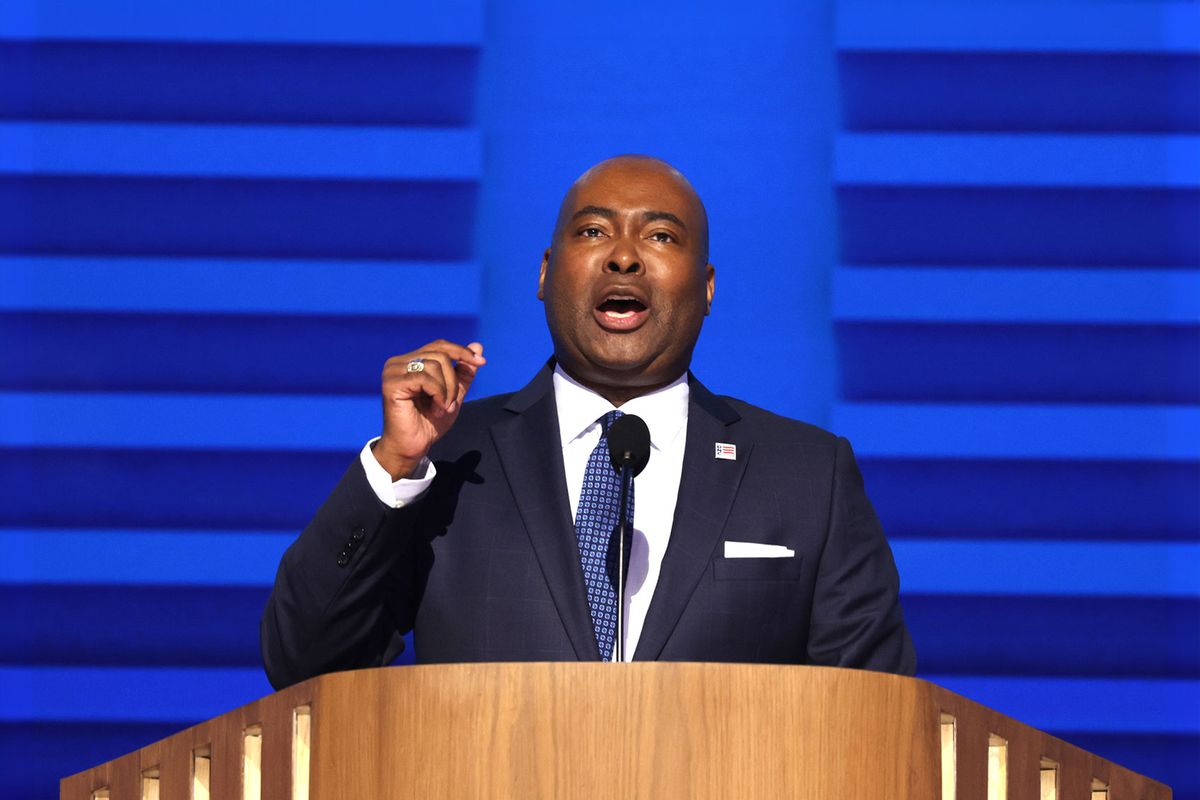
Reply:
x=486, y=567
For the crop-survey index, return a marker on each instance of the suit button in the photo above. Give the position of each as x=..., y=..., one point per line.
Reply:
x=358, y=534
x=343, y=559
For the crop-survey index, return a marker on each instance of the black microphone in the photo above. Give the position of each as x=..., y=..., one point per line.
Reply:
x=629, y=450
x=629, y=443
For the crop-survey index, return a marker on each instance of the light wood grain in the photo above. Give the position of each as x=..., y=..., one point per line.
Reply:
x=618, y=730
x=120, y=777
x=647, y=731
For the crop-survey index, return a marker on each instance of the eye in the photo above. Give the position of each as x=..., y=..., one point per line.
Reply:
x=591, y=232
x=662, y=236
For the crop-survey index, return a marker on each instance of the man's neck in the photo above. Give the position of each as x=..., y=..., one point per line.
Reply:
x=618, y=395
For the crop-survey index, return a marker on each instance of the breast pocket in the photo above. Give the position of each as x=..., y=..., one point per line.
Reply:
x=757, y=569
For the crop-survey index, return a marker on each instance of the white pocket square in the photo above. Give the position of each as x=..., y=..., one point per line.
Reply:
x=756, y=550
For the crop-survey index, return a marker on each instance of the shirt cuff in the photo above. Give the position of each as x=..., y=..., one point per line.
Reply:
x=396, y=494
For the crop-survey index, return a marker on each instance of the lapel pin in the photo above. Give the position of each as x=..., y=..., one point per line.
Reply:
x=726, y=452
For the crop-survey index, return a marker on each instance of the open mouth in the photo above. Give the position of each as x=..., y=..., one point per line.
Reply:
x=621, y=307
x=621, y=313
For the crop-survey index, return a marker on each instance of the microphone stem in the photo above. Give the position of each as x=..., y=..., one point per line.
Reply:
x=622, y=554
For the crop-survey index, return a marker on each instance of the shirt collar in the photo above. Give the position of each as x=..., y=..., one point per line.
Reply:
x=664, y=410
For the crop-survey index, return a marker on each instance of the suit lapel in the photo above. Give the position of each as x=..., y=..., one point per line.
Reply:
x=706, y=491
x=530, y=452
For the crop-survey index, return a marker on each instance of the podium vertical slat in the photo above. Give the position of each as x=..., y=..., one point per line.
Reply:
x=120, y=776
x=972, y=755
x=1024, y=768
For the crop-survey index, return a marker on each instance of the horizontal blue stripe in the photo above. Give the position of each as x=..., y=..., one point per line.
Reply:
x=49, y=419
x=240, y=151
x=1050, y=568
x=992, y=159
x=990, y=91
x=1087, y=704
x=112, y=557
x=215, y=82
x=283, y=286
x=1159, y=27
x=228, y=217
x=927, y=566
x=1012, y=226
x=203, y=490
x=884, y=430
x=364, y=22
x=938, y=361
x=919, y=497
x=144, y=695
x=56, y=694
x=1115, y=636
x=158, y=625
x=1094, y=296
x=205, y=422
x=915, y=497
x=965, y=634
x=232, y=353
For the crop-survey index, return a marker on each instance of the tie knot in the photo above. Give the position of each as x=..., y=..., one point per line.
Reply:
x=608, y=419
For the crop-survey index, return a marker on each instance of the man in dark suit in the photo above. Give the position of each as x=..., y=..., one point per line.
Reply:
x=468, y=523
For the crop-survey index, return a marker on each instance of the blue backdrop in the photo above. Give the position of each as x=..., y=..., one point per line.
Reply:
x=966, y=236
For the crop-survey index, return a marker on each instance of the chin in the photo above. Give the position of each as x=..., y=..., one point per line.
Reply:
x=629, y=371
x=619, y=358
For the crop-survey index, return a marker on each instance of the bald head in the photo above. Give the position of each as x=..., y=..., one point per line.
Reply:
x=637, y=168
x=626, y=279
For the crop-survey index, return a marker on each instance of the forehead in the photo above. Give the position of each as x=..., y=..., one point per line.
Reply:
x=635, y=186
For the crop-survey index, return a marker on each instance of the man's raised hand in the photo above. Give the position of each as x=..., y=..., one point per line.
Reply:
x=420, y=405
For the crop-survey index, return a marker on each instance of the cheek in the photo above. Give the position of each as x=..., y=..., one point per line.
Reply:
x=564, y=290
x=685, y=308
x=682, y=325
x=566, y=310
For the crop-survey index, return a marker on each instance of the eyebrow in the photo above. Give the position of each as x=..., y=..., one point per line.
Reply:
x=599, y=211
x=651, y=216
x=648, y=216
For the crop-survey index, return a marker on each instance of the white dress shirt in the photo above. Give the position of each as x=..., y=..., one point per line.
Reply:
x=655, y=491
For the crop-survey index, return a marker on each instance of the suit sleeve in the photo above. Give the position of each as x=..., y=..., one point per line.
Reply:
x=857, y=620
x=341, y=599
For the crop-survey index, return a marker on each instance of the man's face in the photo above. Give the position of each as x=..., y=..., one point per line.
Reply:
x=624, y=281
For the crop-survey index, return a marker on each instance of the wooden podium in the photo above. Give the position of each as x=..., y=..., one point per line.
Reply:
x=653, y=730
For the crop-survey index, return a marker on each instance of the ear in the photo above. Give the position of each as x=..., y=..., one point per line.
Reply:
x=541, y=294
x=710, y=276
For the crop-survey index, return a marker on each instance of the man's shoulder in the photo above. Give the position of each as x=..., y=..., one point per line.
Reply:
x=492, y=405
x=758, y=421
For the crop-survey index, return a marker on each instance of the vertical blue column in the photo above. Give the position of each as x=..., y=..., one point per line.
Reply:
x=741, y=100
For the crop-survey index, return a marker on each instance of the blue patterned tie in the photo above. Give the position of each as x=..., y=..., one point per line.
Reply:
x=595, y=520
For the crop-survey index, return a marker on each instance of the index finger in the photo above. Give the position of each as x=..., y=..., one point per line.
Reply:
x=466, y=370
x=458, y=352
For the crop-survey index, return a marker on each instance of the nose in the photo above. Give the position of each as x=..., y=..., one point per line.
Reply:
x=623, y=259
